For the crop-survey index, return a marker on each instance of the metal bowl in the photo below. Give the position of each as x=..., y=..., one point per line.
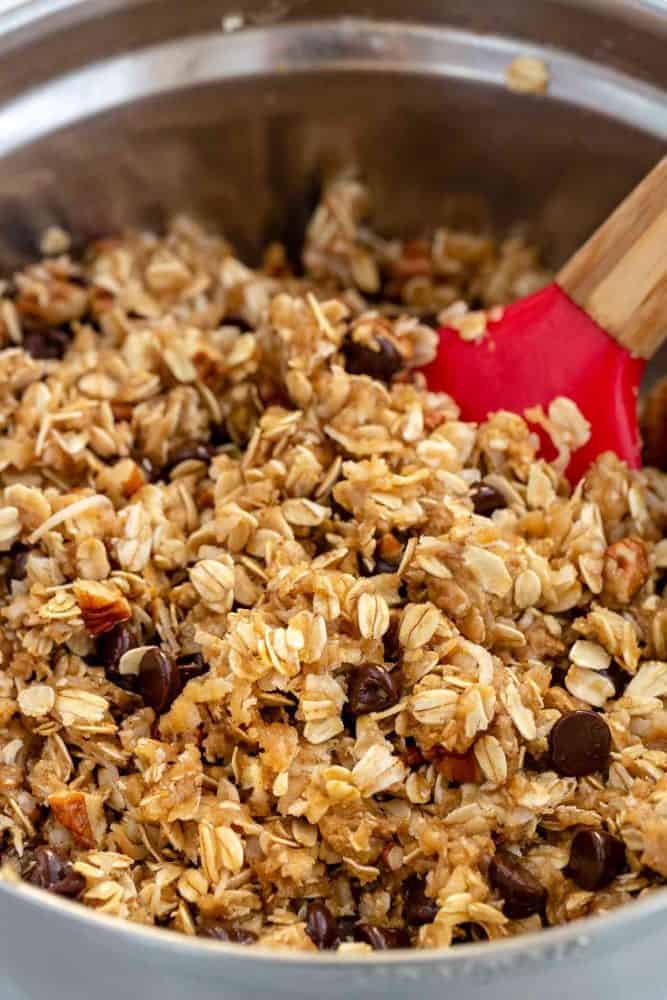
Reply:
x=125, y=111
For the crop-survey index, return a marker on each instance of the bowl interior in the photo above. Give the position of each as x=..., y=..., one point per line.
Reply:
x=241, y=129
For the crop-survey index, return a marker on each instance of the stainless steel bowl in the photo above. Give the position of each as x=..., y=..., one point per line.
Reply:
x=124, y=111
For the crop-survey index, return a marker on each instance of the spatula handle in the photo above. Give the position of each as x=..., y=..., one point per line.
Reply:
x=620, y=276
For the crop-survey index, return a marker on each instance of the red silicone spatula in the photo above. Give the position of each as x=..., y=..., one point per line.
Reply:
x=587, y=336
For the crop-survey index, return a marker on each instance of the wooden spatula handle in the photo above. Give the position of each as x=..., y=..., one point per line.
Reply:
x=620, y=276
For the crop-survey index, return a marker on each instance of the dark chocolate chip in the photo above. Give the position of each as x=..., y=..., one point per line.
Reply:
x=486, y=499
x=382, y=938
x=18, y=561
x=418, y=907
x=372, y=689
x=382, y=364
x=158, y=680
x=112, y=645
x=46, y=345
x=229, y=933
x=220, y=434
x=580, y=744
x=321, y=926
x=596, y=858
x=49, y=870
x=521, y=891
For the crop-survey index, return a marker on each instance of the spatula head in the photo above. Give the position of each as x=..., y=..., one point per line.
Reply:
x=543, y=347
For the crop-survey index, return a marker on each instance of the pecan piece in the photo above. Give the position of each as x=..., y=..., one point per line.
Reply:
x=102, y=605
x=626, y=569
x=78, y=813
x=455, y=767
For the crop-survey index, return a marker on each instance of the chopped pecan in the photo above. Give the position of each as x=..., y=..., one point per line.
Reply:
x=132, y=479
x=102, y=605
x=626, y=569
x=53, y=302
x=71, y=809
x=459, y=768
x=122, y=411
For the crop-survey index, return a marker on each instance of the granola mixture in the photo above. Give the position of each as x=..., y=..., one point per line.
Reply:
x=290, y=654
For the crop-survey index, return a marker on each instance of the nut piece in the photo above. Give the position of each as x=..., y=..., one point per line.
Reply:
x=102, y=606
x=626, y=569
x=79, y=813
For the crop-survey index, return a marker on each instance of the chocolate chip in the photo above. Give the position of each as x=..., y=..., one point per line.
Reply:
x=112, y=645
x=372, y=689
x=580, y=744
x=382, y=938
x=18, y=561
x=229, y=933
x=596, y=858
x=321, y=926
x=220, y=434
x=49, y=870
x=193, y=451
x=521, y=891
x=46, y=345
x=418, y=907
x=382, y=364
x=486, y=499
x=158, y=680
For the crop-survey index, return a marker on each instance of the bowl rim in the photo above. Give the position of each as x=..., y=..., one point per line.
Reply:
x=578, y=936
x=19, y=13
